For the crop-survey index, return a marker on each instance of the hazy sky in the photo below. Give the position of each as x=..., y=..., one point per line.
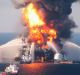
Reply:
x=10, y=17
x=75, y=15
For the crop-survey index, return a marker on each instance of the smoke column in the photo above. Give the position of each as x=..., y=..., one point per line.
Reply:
x=59, y=10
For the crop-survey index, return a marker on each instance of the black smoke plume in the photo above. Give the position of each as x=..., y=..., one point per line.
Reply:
x=59, y=10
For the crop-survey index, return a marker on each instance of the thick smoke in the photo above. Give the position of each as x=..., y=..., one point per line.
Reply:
x=56, y=10
x=57, y=13
x=59, y=10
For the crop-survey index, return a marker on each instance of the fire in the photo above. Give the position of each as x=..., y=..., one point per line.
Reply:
x=31, y=16
x=39, y=31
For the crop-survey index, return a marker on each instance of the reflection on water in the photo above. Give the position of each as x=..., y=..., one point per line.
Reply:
x=49, y=69
x=33, y=69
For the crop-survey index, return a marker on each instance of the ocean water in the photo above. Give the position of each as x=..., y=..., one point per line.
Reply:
x=49, y=69
x=3, y=66
x=75, y=38
x=5, y=37
x=46, y=69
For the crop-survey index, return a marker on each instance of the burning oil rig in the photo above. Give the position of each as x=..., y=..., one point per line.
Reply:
x=40, y=37
x=42, y=34
x=45, y=23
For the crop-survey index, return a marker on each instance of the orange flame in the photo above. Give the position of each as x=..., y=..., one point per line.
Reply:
x=31, y=16
x=39, y=31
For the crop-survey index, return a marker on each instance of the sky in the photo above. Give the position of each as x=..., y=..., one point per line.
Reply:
x=10, y=17
x=75, y=16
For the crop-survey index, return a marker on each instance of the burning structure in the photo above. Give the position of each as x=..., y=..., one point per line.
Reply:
x=39, y=34
x=47, y=23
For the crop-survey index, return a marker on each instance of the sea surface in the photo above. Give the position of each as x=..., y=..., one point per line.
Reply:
x=49, y=69
x=5, y=37
x=75, y=38
x=46, y=69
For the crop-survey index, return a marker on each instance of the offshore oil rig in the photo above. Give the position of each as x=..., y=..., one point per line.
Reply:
x=41, y=43
x=30, y=53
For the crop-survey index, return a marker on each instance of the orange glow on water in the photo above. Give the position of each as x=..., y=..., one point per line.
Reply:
x=33, y=66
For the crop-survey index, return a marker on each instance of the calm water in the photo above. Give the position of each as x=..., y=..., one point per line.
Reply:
x=46, y=69
x=49, y=69
x=5, y=37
